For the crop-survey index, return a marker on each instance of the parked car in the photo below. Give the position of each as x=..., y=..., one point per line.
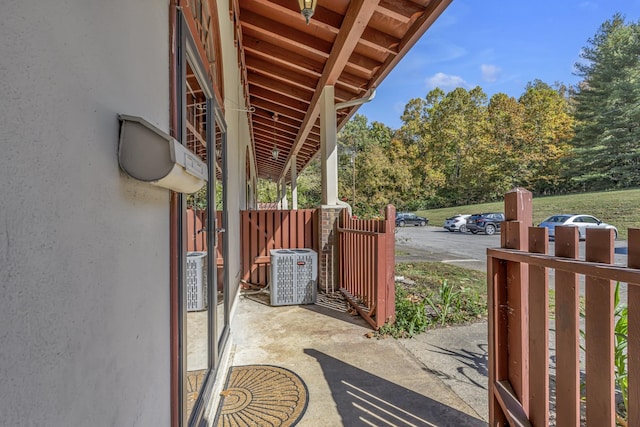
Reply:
x=456, y=222
x=406, y=218
x=487, y=223
x=581, y=221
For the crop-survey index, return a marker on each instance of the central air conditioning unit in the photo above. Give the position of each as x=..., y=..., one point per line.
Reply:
x=196, y=281
x=294, y=276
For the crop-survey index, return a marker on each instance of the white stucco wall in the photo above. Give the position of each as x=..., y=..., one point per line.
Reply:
x=237, y=142
x=84, y=250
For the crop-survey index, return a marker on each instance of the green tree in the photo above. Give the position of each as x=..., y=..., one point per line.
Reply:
x=502, y=158
x=547, y=128
x=607, y=107
x=310, y=186
x=366, y=179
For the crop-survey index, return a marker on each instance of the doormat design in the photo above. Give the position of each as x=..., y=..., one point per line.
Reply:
x=262, y=395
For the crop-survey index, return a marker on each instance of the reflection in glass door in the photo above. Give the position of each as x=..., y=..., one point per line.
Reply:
x=198, y=280
x=203, y=314
x=221, y=234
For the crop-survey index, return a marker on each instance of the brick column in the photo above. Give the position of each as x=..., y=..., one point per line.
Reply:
x=328, y=249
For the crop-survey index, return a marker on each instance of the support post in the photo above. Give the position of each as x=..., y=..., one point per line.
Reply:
x=294, y=182
x=328, y=147
x=515, y=231
x=284, y=203
x=278, y=197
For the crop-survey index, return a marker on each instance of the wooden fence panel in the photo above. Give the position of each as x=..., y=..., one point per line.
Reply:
x=599, y=333
x=367, y=266
x=567, y=332
x=521, y=398
x=264, y=230
x=633, y=351
x=196, y=230
x=539, y=330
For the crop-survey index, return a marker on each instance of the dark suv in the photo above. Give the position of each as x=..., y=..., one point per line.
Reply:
x=488, y=223
x=405, y=218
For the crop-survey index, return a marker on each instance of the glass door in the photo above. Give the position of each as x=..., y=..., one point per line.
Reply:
x=220, y=182
x=203, y=316
x=200, y=274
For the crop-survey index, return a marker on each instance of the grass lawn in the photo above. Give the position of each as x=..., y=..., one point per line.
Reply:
x=620, y=208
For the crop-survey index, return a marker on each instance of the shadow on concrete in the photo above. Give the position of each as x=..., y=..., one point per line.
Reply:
x=364, y=399
x=477, y=361
x=334, y=306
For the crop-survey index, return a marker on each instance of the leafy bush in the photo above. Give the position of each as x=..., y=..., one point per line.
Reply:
x=411, y=317
x=415, y=313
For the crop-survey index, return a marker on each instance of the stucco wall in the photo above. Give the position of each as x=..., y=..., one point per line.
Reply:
x=84, y=250
x=237, y=142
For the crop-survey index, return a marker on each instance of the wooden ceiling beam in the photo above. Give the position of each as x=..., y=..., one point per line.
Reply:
x=353, y=26
x=286, y=58
x=279, y=98
x=288, y=131
x=381, y=41
x=295, y=92
x=264, y=116
x=284, y=34
x=360, y=63
x=402, y=11
x=276, y=108
x=265, y=68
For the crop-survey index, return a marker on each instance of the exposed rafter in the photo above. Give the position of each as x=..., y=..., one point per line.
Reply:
x=285, y=63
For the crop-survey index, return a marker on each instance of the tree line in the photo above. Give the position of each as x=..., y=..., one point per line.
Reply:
x=462, y=147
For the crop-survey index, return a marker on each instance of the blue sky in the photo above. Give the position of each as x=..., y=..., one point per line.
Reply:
x=499, y=45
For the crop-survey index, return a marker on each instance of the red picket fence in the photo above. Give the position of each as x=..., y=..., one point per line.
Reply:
x=519, y=313
x=264, y=230
x=367, y=266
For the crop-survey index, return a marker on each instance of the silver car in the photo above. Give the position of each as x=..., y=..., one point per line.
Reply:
x=456, y=222
x=581, y=221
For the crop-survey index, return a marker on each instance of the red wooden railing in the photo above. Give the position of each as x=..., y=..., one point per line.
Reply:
x=264, y=230
x=367, y=266
x=518, y=285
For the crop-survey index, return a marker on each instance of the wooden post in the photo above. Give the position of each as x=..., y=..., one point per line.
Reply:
x=390, y=262
x=518, y=218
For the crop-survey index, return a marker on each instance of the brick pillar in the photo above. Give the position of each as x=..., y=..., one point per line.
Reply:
x=328, y=249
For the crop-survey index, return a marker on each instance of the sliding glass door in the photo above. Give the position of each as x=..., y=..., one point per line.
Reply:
x=202, y=249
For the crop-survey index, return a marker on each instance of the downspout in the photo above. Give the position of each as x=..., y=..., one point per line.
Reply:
x=359, y=101
x=352, y=103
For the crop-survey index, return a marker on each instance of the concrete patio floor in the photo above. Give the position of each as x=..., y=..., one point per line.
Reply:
x=352, y=380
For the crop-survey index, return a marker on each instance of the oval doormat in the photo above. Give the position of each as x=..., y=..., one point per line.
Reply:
x=262, y=395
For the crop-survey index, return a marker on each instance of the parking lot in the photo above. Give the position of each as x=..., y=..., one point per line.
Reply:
x=468, y=250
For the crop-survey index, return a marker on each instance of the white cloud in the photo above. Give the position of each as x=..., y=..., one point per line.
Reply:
x=445, y=81
x=490, y=73
x=588, y=5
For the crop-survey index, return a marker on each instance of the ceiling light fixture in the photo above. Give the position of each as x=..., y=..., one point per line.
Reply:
x=307, y=7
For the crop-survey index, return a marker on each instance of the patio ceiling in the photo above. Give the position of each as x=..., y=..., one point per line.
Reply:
x=352, y=45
